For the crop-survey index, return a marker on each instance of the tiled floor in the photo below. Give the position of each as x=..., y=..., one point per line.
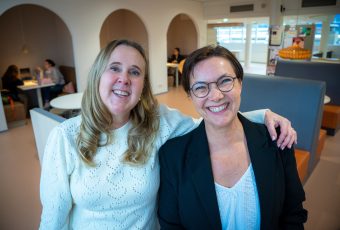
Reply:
x=19, y=178
x=20, y=171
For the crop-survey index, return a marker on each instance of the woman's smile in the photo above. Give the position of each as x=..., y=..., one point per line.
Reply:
x=121, y=93
x=218, y=109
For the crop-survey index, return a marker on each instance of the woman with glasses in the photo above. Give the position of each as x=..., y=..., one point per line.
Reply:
x=227, y=173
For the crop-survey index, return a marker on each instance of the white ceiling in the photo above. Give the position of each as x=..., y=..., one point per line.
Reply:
x=301, y=19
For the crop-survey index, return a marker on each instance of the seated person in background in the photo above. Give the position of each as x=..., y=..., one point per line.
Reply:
x=227, y=173
x=11, y=80
x=176, y=56
x=53, y=73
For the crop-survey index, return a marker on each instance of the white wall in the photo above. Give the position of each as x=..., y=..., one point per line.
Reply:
x=85, y=18
x=293, y=7
x=262, y=8
x=220, y=9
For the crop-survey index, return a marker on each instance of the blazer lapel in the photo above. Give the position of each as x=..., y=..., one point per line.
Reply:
x=200, y=165
x=263, y=162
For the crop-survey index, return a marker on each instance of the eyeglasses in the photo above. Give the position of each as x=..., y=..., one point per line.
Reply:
x=202, y=89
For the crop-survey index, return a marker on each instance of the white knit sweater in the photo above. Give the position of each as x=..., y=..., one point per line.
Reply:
x=111, y=195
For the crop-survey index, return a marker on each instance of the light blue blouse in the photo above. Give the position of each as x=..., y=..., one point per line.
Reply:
x=239, y=205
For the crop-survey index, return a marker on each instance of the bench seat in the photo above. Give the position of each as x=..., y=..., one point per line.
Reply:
x=331, y=118
x=321, y=143
x=302, y=161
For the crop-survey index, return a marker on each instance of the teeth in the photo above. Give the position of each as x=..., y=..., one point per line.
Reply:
x=120, y=92
x=217, y=109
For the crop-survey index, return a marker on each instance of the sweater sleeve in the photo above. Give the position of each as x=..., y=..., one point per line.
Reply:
x=55, y=194
x=255, y=115
x=173, y=123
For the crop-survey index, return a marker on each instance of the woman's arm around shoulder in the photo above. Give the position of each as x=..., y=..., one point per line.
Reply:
x=55, y=191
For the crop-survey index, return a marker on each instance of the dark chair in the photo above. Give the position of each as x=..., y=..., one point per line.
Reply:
x=319, y=55
x=301, y=101
x=319, y=71
x=69, y=74
x=329, y=54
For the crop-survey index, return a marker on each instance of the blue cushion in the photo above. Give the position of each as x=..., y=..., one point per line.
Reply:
x=320, y=71
x=301, y=101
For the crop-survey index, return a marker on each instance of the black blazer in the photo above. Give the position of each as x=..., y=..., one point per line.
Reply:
x=187, y=197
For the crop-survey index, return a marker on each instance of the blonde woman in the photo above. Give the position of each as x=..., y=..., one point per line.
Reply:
x=100, y=170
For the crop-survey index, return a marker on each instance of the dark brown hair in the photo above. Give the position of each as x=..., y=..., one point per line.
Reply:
x=204, y=53
x=49, y=61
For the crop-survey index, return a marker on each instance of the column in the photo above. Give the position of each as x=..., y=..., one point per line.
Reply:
x=211, y=36
x=247, y=52
x=325, y=35
x=276, y=8
x=275, y=15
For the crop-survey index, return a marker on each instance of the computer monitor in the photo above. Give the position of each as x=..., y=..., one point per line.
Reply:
x=25, y=73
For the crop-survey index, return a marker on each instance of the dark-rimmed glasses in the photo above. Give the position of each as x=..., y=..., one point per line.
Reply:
x=202, y=89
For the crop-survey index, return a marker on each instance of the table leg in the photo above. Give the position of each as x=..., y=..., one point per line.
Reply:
x=40, y=102
x=3, y=122
x=176, y=76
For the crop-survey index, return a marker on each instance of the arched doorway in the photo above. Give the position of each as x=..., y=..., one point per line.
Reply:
x=124, y=24
x=182, y=33
x=31, y=34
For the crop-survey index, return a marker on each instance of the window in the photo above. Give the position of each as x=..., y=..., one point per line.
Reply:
x=334, y=33
x=237, y=34
x=260, y=33
x=334, y=36
x=231, y=34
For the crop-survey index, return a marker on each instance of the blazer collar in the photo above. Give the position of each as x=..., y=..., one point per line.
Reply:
x=262, y=159
x=202, y=176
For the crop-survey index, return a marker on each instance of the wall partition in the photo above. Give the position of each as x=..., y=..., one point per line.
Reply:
x=124, y=24
x=182, y=33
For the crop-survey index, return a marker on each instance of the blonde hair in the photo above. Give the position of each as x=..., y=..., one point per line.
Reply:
x=97, y=119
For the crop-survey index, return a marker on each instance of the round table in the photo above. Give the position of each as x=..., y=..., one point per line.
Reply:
x=69, y=101
x=326, y=99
